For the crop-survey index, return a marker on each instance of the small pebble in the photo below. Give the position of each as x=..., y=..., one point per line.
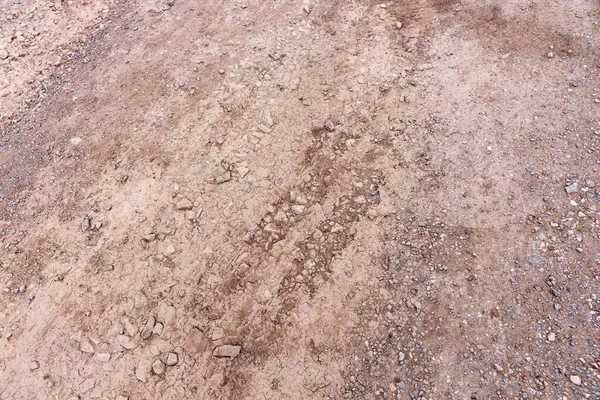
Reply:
x=228, y=350
x=218, y=333
x=85, y=224
x=172, y=359
x=571, y=188
x=329, y=126
x=158, y=367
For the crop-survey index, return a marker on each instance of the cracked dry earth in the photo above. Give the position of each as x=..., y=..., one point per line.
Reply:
x=295, y=200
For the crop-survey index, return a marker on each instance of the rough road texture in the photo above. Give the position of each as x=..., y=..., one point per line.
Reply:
x=292, y=200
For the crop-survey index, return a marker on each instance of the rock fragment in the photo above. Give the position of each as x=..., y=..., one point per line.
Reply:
x=85, y=224
x=158, y=328
x=158, y=367
x=243, y=171
x=148, y=328
x=172, y=359
x=127, y=342
x=140, y=300
x=264, y=128
x=571, y=188
x=166, y=314
x=227, y=351
x=329, y=126
x=142, y=371
x=298, y=209
x=86, y=347
x=218, y=333
x=184, y=204
x=226, y=177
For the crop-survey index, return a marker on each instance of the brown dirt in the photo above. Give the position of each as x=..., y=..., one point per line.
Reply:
x=168, y=186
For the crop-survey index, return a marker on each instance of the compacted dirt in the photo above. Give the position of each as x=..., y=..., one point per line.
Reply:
x=294, y=200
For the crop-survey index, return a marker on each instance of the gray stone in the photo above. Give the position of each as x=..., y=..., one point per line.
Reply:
x=102, y=357
x=226, y=177
x=571, y=188
x=536, y=259
x=85, y=224
x=329, y=126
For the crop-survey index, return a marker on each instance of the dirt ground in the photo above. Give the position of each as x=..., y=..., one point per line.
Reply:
x=299, y=199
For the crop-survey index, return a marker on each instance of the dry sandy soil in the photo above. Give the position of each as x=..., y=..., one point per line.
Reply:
x=293, y=200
